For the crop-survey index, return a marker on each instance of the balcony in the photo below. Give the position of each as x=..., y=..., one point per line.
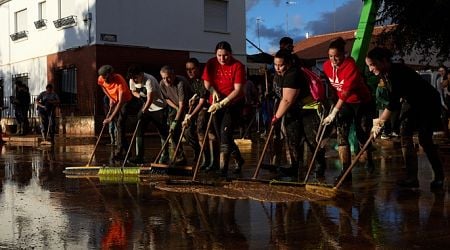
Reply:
x=39, y=24
x=19, y=35
x=65, y=22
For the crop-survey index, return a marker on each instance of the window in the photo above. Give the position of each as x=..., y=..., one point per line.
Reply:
x=23, y=77
x=216, y=15
x=66, y=79
x=20, y=20
x=42, y=10
x=65, y=8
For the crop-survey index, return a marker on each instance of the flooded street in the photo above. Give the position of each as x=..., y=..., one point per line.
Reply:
x=42, y=209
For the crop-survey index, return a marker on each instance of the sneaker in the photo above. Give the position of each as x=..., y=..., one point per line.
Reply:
x=238, y=165
x=393, y=134
x=437, y=185
x=408, y=183
x=385, y=137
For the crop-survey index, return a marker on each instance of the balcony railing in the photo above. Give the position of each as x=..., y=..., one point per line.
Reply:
x=19, y=35
x=39, y=24
x=65, y=22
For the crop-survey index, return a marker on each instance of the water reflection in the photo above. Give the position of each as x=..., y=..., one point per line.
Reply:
x=40, y=208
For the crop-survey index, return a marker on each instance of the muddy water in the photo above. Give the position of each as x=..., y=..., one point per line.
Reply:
x=42, y=209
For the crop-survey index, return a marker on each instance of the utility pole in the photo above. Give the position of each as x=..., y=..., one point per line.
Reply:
x=258, y=20
x=287, y=15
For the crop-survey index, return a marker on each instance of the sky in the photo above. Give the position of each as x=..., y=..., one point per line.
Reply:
x=277, y=18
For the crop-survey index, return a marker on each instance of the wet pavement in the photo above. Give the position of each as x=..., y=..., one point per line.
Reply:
x=42, y=209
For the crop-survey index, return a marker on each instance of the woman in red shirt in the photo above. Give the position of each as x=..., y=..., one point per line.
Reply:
x=224, y=76
x=355, y=103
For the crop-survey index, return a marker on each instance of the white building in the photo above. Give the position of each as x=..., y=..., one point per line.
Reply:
x=64, y=42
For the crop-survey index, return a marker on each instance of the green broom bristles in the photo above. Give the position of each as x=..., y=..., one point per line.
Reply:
x=113, y=171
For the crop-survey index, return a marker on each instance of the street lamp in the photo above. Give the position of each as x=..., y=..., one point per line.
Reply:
x=258, y=20
x=287, y=16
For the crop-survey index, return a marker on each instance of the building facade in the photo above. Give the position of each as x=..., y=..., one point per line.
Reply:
x=65, y=42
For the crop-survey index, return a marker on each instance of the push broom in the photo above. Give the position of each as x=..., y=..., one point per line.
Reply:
x=122, y=171
x=88, y=169
x=332, y=192
x=45, y=142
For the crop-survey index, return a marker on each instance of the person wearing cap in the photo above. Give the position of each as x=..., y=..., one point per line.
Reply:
x=176, y=91
x=46, y=103
x=197, y=121
x=153, y=109
x=119, y=94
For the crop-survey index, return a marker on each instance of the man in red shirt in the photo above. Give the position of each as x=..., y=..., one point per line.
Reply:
x=115, y=87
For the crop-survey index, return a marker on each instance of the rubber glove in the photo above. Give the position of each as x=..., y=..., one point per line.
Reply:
x=377, y=125
x=216, y=106
x=330, y=118
x=187, y=121
x=193, y=99
x=173, y=125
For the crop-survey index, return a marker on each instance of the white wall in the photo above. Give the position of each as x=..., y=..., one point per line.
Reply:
x=170, y=24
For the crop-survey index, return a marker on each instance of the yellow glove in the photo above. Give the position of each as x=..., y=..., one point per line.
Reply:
x=216, y=106
x=377, y=125
x=215, y=95
x=187, y=121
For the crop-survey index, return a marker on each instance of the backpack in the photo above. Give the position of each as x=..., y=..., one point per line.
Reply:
x=316, y=86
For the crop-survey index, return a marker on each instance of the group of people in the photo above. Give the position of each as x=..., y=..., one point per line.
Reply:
x=177, y=104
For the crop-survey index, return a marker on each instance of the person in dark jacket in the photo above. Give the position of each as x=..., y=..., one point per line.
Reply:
x=420, y=107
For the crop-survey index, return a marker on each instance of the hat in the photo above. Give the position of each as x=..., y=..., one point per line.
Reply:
x=105, y=69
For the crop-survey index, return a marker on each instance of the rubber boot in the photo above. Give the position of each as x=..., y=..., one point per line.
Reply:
x=19, y=128
x=238, y=161
x=436, y=164
x=214, y=154
x=139, y=158
x=369, y=165
x=345, y=158
x=410, y=158
x=206, y=153
x=321, y=164
x=224, y=160
x=164, y=159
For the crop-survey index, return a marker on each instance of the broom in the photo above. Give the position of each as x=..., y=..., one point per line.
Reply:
x=197, y=165
x=122, y=171
x=88, y=169
x=45, y=142
x=332, y=192
x=321, y=131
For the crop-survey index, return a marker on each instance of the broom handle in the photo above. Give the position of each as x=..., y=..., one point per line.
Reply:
x=98, y=140
x=349, y=169
x=131, y=143
x=181, y=137
x=315, y=153
x=163, y=147
x=263, y=153
x=202, y=148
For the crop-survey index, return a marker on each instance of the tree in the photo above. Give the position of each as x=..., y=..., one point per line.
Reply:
x=421, y=26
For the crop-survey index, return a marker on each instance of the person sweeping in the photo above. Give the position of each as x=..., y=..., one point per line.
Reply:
x=46, y=103
x=420, y=107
